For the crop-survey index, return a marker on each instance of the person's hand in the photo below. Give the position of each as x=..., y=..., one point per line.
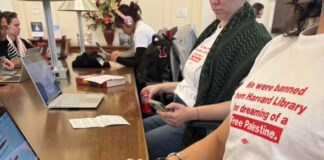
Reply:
x=16, y=61
x=114, y=55
x=178, y=117
x=7, y=64
x=152, y=90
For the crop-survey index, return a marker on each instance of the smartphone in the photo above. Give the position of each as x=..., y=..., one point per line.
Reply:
x=157, y=105
x=101, y=49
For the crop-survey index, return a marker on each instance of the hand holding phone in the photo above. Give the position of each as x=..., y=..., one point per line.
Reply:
x=157, y=105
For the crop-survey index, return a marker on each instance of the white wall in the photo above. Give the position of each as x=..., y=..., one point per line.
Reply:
x=207, y=15
x=6, y=5
x=269, y=7
x=157, y=13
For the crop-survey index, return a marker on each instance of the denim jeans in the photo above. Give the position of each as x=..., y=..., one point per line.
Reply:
x=162, y=139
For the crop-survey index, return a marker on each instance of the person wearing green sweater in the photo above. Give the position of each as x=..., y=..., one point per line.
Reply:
x=223, y=55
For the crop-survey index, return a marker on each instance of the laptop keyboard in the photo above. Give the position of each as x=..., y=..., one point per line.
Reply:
x=14, y=78
x=69, y=100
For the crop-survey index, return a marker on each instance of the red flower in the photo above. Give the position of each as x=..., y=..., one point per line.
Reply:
x=107, y=20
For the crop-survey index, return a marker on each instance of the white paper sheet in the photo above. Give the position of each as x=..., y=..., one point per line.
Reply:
x=99, y=121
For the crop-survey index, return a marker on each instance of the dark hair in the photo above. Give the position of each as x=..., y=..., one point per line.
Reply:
x=133, y=10
x=258, y=7
x=302, y=12
x=9, y=16
x=1, y=16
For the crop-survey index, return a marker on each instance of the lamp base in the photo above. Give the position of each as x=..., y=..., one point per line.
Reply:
x=61, y=73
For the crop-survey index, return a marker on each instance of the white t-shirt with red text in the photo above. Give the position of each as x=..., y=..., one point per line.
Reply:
x=188, y=88
x=278, y=112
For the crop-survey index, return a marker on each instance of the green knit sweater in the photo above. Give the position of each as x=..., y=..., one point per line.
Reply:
x=228, y=62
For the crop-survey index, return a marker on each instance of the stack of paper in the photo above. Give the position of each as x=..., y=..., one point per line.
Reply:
x=99, y=121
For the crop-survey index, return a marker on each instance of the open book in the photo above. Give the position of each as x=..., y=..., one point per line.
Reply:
x=99, y=121
x=104, y=81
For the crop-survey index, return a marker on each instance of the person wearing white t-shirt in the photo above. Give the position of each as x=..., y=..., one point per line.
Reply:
x=222, y=56
x=128, y=18
x=277, y=113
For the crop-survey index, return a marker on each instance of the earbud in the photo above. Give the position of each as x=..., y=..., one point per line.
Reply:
x=128, y=20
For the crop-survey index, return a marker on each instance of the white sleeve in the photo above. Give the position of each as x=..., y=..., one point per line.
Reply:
x=142, y=39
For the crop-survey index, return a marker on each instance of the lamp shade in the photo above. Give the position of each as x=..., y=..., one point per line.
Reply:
x=78, y=5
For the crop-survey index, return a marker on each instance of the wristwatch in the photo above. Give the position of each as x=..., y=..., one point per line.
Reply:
x=175, y=154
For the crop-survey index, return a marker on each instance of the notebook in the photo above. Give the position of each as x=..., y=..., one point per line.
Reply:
x=49, y=90
x=13, y=144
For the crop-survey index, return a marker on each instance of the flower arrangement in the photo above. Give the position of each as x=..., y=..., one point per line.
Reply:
x=105, y=16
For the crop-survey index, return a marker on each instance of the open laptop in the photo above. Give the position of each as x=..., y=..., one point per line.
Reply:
x=15, y=78
x=13, y=144
x=23, y=74
x=48, y=88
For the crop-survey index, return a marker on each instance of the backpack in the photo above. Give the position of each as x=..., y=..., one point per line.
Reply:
x=155, y=63
x=90, y=60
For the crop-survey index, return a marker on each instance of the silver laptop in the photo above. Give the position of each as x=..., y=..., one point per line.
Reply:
x=49, y=90
x=33, y=50
x=13, y=144
x=23, y=74
x=16, y=78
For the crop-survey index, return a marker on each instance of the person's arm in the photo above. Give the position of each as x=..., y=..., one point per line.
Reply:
x=182, y=114
x=211, y=147
x=132, y=61
x=160, y=88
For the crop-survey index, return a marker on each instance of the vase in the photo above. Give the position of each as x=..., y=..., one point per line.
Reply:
x=109, y=34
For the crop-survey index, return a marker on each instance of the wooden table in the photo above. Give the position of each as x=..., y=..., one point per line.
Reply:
x=52, y=136
x=90, y=49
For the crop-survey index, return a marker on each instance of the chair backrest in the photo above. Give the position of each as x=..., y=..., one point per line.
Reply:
x=183, y=43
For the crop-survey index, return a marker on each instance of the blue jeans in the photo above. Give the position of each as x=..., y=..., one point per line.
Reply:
x=162, y=139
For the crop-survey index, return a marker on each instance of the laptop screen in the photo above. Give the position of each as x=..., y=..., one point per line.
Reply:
x=13, y=144
x=41, y=76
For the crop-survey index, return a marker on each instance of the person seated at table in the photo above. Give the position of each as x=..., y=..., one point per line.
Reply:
x=7, y=64
x=288, y=122
x=17, y=46
x=223, y=55
x=130, y=21
x=259, y=9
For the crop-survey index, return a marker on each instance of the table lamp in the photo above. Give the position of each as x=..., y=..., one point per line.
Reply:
x=58, y=70
x=79, y=6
